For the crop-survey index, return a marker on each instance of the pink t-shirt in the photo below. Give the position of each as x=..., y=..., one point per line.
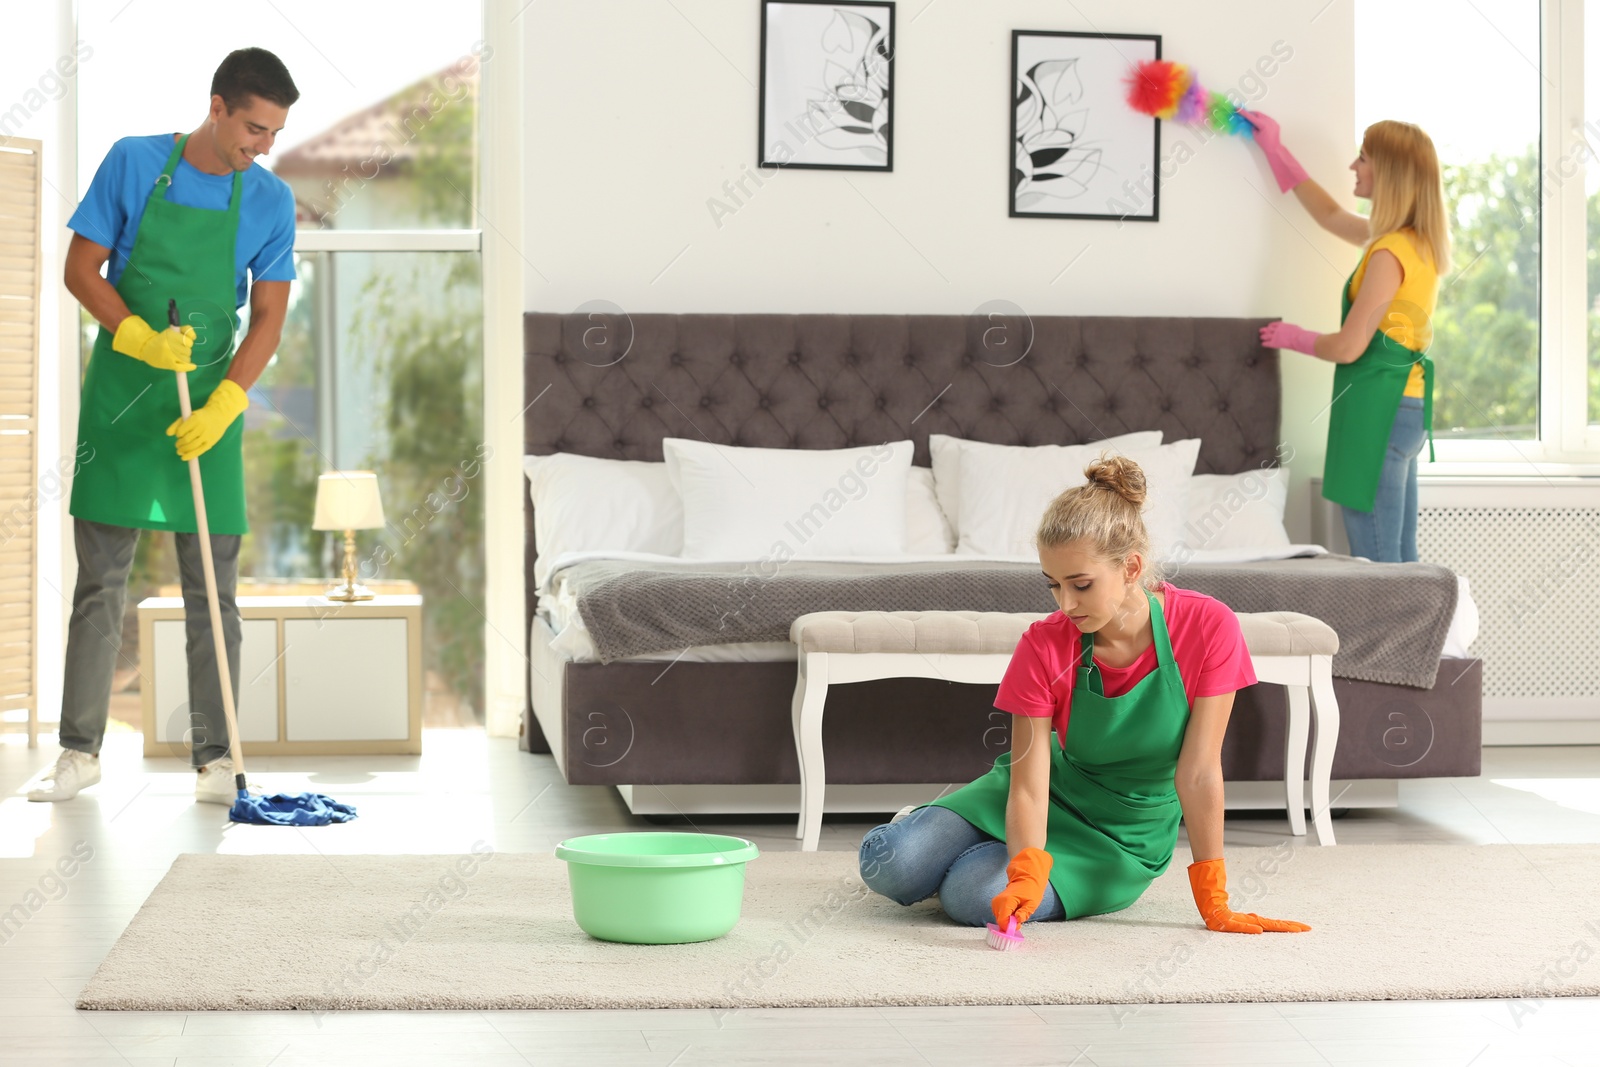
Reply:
x=1207, y=646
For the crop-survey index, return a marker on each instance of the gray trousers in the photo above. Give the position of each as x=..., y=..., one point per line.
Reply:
x=94, y=636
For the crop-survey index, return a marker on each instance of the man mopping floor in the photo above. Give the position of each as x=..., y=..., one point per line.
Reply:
x=190, y=217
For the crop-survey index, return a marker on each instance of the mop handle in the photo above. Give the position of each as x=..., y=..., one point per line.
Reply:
x=223, y=673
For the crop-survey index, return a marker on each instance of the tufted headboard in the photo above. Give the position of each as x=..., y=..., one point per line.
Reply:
x=614, y=385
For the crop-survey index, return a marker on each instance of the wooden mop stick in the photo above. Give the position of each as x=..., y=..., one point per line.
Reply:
x=223, y=672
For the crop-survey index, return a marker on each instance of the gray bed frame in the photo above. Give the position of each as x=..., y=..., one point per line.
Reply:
x=614, y=385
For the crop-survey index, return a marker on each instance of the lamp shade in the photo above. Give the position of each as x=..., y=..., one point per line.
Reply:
x=348, y=500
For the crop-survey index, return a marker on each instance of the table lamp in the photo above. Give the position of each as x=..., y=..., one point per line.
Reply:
x=348, y=501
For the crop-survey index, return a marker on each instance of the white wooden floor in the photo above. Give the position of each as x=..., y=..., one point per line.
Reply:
x=468, y=788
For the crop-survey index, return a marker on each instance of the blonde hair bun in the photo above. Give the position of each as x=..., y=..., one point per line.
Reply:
x=1104, y=511
x=1119, y=474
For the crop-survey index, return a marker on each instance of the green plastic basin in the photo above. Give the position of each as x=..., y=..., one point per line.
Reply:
x=656, y=888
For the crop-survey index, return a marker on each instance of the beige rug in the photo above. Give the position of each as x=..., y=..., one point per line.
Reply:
x=496, y=931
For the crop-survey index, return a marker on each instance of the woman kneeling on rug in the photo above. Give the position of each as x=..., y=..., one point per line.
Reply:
x=1079, y=822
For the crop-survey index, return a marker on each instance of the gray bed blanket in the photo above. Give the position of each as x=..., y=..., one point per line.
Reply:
x=1391, y=618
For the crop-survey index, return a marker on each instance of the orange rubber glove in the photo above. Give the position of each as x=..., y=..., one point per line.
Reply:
x=1209, y=880
x=1027, y=873
x=205, y=427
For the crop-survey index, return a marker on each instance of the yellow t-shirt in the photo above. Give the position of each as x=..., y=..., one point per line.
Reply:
x=1409, y=319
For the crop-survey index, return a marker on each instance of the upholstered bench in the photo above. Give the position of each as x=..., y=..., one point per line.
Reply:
x=1287, y=649
x=1296, y=652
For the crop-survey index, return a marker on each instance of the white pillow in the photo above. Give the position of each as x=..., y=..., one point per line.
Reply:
x=928, y=532
x=1242, y=510
x=947, y=451
x=1005, y=493
x=762, y=503
x=584, y=502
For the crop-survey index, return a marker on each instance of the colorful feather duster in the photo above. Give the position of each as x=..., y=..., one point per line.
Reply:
x=1169, y=90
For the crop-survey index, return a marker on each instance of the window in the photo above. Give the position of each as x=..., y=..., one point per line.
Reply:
x=381, y=368
x=1591, y=204
x=381, y=361
x=1486, y=323
x=1517, y=329
x=402, y=101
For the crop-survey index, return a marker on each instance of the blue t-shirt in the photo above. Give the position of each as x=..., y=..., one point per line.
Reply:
x=110, y=212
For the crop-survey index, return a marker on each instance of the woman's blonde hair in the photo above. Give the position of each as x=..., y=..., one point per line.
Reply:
x=1105, y=510
x=1407, y=188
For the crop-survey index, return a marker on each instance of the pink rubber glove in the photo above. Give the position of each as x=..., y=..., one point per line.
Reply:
x=1285, y=168
x=1288, y=335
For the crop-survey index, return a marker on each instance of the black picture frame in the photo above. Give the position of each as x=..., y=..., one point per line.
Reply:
x=867, y=105
x=1050, y=153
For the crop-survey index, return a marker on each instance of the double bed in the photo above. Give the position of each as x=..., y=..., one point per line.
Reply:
x=663, y=669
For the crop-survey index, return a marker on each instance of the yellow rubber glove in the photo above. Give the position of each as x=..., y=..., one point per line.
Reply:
x=1209, y=881
x=205, y=427
x=1027, y=874
x=166, y=350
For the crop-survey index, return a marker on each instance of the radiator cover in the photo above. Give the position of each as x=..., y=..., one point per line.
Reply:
x=1531, y=552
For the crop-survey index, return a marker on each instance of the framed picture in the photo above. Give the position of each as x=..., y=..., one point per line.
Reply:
x=827, y=85
x=1078, y=151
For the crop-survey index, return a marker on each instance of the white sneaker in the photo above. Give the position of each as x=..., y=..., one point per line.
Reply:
x=73, y=771
x=214, y=784
x=902, y=813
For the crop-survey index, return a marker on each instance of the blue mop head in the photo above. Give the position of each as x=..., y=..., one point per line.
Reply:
x=290, y=809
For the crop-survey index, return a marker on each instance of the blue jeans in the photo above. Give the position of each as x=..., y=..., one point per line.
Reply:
x=1388, y=533
x=934, y=850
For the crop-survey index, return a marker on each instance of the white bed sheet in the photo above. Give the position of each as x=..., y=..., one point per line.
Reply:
x=573, y=642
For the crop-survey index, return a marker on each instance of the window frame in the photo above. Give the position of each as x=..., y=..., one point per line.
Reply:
x=1566, y=444
x=499, y=197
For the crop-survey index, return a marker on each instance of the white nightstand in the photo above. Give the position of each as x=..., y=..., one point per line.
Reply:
x=316, y=676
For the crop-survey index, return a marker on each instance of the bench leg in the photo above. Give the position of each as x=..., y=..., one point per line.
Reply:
x=795, y=704
x=810, y=695
x=1325, y=720
x=1294, y=757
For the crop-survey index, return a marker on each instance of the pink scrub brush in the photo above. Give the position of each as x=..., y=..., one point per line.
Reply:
x=1004, y=940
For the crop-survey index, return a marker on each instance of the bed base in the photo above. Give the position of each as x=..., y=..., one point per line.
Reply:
x=697, y=800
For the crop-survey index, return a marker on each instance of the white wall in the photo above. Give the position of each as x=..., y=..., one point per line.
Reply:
x=36, y=96
x=637, y=112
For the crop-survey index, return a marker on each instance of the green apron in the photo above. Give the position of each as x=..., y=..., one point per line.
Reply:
x=1114, y=812
x=1366, y=398
x=133, y=476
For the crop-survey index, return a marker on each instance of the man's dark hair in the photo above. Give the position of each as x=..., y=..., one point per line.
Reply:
x=253, y=72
